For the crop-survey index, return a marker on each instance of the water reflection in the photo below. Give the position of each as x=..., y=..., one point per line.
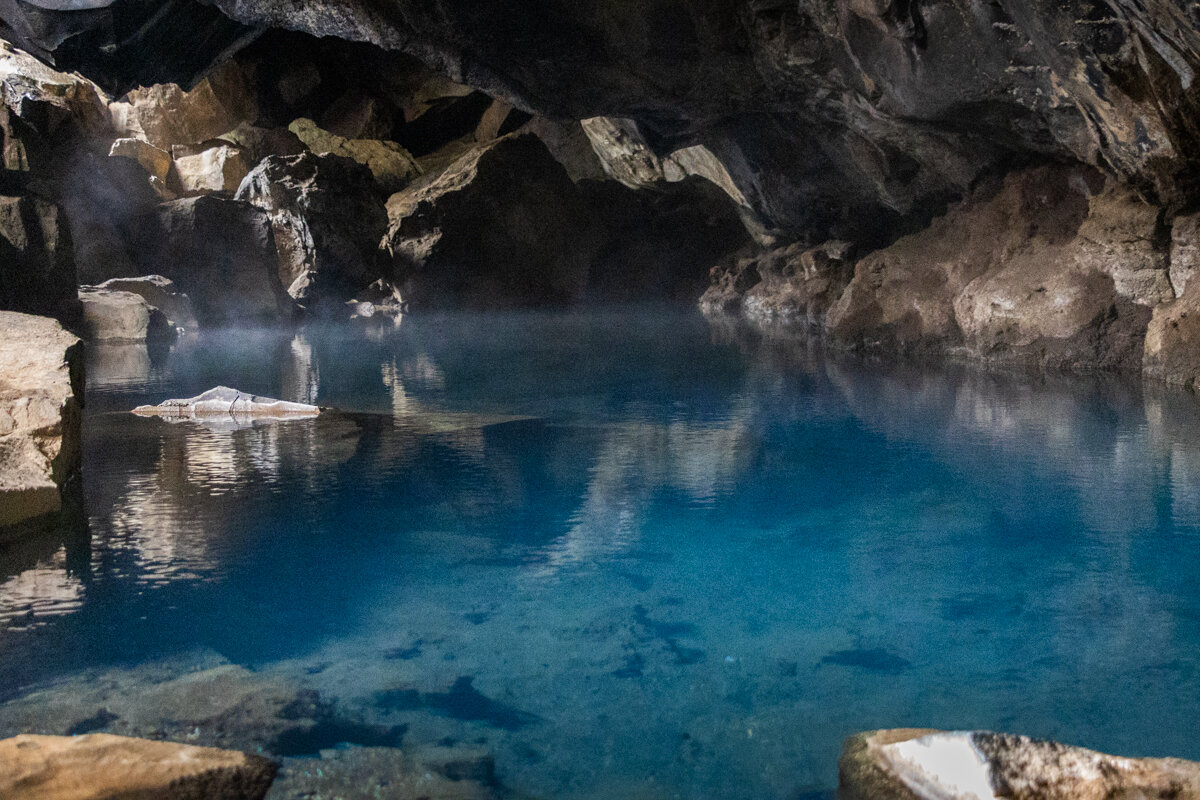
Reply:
x=608, y=521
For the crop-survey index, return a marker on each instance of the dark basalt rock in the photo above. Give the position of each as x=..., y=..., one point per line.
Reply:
x=222, y=254
x=830, y=118
x=37, y=270
x=328, y=223
x=503, y=226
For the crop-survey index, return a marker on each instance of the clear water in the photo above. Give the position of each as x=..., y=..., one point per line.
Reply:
x=671, y=564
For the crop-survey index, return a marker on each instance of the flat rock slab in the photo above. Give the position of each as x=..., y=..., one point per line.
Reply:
x=918, y=764
x=223, y=402
x=99, y=766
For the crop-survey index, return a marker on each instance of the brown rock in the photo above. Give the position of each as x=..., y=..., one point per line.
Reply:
x=103, y=767
x=41, y=391
x=165, y=114
x=213, y=167
x=1185, y=251
x=258, y=143
x=116, y=316
x=911, y=764
x=1172, y=346
x=798, y=283
x=160, y=293
x=156, y=161
x=391, y=165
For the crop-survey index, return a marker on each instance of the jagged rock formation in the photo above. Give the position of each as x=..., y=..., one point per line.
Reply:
x=225, y=402
x=502, y=226
x=41, y=391
x=327, y=220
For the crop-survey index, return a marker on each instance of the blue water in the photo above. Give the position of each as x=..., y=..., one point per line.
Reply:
x=636, y=556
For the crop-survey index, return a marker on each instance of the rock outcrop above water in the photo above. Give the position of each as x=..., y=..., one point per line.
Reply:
x=222, y=253
x=160, y=293
x=502, y=226
x=328, y=222
x=223, y=402
x=913, y=764
x=41, y=393
x=115, y=316
x=100, y=767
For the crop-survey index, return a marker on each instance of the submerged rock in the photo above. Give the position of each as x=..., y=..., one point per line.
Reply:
x=41, y=391
x=915, y=764
x=100, y=766
x=502, y=226
x=327, y=222
x=225, y=402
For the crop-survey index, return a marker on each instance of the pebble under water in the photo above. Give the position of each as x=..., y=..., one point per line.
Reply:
x=626, y=554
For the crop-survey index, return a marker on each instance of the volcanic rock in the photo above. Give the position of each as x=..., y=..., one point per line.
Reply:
x=116, y=316
x=37, y=267
x=390, y=164
x=912, y=764
x=327, y=220
x=502, y=226
x=100, y=766
x=222, y=253
x=225, y=402
x=41, y=391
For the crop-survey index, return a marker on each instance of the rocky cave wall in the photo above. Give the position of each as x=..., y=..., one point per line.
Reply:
x=1012, y=181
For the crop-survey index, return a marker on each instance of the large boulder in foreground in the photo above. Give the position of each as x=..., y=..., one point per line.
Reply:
x=916, y=764
x=503, y=226
x=99, y=766
x=41, y=392
x=222, y=253
x=327, y=221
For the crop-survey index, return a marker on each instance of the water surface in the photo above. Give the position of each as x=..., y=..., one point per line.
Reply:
x=630, y=556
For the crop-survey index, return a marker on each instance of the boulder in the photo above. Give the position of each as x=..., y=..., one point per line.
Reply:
x=41, y=391
x=390, y=164
x=160, y=293
x=115, y=316
x=165, y=114
x=156, y=161
x=222, y=253
x=213, y=166
x=43, y=111
x=37, y=266
x=99, y=766
x=502, y=226
x=225, y=402
x=258, y=143
x=327, y=220
x=917, y=764
x=380, y=298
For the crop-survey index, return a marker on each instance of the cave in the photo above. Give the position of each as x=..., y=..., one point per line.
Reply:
x=589, y=398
